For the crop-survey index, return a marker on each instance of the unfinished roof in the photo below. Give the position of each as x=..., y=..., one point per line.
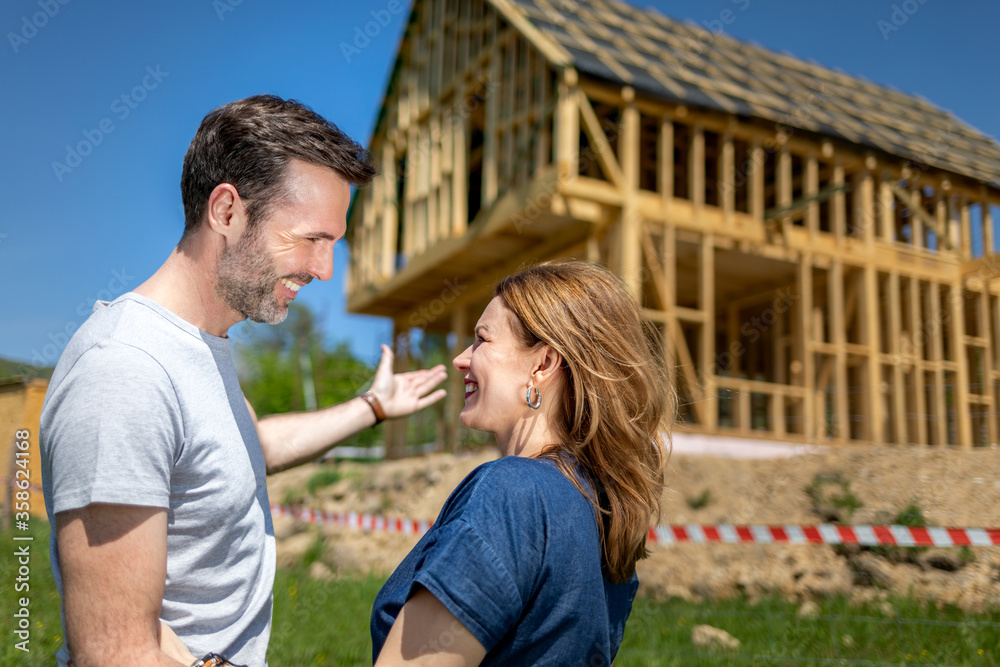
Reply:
x=684, y=63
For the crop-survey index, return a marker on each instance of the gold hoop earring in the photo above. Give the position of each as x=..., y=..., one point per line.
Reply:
x=538, y=398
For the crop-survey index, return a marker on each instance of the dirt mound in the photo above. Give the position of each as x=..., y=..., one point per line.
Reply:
x=943, y=487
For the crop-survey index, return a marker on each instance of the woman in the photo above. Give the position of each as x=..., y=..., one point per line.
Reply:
x=532, y=559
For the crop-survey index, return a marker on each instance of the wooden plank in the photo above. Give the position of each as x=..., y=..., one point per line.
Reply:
x=937, y=355
x=390, y=218
x=757, y=180
x=965, y=223
x=988, y=361
x=960, y=393
x=631, y=222
x=811, y=188
x=865, y=209
x=988, y=231
x=696, y=167
x=870, y=326
x=887, y=212
x=895, y=338
x=459, y=188
x=599, y=144
x=838, y=332
x=706, y=303
x=490, y=148
x=917, y=334
x=665, y=159
x=803, y=337
x=727, y=183
x=839, y=207
x=568, y=128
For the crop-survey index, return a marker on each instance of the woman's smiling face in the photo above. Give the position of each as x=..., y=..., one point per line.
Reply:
x=497, y=369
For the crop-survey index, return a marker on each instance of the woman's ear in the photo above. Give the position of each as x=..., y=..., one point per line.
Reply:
x=548, y=362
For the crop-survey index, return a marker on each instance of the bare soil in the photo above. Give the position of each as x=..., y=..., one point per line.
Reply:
x=859, y=485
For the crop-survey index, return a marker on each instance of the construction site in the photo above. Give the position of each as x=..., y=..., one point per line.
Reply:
x=817, y=250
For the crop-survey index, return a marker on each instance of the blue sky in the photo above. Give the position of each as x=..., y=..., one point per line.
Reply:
x=106, y=221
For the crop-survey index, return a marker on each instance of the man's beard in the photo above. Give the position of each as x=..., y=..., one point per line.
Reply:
x=247, y=277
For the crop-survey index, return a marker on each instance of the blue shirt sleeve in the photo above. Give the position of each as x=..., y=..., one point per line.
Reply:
x=485, y=560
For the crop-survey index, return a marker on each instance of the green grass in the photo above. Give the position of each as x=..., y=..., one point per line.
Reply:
x=326, y=623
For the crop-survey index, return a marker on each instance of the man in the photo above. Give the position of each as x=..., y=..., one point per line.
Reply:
x=153, y=462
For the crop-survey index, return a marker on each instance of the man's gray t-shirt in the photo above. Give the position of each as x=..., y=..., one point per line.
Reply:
x=145, y=409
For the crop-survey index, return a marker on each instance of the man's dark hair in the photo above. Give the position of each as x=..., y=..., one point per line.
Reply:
x=249, y=143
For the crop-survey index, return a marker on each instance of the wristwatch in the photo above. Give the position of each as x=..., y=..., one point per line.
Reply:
x=213, y=660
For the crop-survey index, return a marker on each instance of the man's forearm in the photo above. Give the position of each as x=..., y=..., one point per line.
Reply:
x=293, y=438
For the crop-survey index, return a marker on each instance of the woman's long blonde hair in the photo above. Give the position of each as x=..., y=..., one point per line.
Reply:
x=618, y=406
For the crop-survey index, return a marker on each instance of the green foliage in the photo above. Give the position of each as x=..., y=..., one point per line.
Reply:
x=832, y=497
x=700, y=501
x=322, y=478
x=293, y=496
x=277, y=364
x=912, y=516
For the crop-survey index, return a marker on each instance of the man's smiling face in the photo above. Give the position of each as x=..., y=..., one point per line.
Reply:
x=261, y=273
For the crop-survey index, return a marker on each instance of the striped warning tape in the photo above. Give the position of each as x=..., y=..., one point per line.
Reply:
x=828, y=533
x=903, y=536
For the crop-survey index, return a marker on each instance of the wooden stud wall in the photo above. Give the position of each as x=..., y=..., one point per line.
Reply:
x=888, y=265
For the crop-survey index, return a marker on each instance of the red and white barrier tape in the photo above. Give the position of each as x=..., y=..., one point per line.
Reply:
x=366, y=522
x=903, y=536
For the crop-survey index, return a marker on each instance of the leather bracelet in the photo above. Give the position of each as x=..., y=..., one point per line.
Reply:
x=376, y=406
x=213, y=660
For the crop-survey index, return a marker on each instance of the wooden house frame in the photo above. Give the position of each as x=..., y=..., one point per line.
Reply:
x=817, y=250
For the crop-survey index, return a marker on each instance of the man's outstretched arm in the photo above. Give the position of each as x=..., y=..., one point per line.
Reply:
x=113, y=560
x=294, y=438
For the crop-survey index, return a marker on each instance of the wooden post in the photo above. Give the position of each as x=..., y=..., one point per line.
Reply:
x=459, y=176
x=568, y=128
x=839, y=207
x=835, y=291
x=490, y=148
x=706, y=300
x=803, y=346
x=887, y=208
x=811, y=188
x=727, y=183
x=628, y=148
x=757, y=180
x=987, y=216
x=665, y=160
x=869, y=314
x=937, y=352
x=696, y=168
x=960, y=393
x=918, y=334
x=895, y=336
x=987, y=390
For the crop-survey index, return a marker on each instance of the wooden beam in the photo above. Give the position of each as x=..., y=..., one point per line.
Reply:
x=809, y=193
x=599, y=144
x=887, y=211
x=756, y=168
x=631, y=262
x=987, y=217
x=839, y=208
x=696, y=168
x=988, y=361
x=665, y=159
x=459, y=176
x=835, y=287
x=960, y=393
x=917, y=334
x=895, y=336
x=937, y=352
x=490, y=148
x=706, y=303
x=727, y=182
x=870, y=327
x=456, y=391
x=912, y=201
x=568, y=128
